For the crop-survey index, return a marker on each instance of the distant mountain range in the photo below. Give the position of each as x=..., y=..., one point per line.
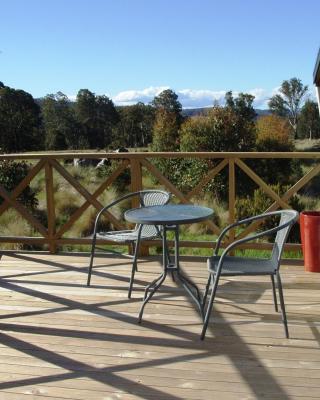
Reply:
x=190, y=112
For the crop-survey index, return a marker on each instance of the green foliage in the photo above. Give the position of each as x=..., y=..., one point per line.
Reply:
x=19, y=121
x=11, y=174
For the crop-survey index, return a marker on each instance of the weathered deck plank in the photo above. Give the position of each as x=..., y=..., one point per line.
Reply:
x=62, y=340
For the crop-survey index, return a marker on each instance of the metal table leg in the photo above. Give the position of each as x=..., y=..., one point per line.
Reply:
x=187, y=284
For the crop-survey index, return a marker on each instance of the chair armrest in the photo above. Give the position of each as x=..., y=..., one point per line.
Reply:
x=246, y=221
x=113, y=203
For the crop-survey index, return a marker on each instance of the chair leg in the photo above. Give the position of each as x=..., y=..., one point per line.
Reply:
x=205, y=295
x=209, y=308
x=134, y=251
x=134, y=263
x=91, y=259
x=274, y=293
x=283, y=309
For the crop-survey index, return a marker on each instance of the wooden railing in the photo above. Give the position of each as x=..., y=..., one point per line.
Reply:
x=54, y=236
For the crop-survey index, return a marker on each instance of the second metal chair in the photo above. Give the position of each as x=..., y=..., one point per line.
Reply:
x=134, y=236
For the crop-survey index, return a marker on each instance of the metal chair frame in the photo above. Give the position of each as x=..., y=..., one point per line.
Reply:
x=134, y=236
x=218, y=265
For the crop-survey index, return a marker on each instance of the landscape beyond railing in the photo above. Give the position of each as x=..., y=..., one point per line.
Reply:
x=53, y=236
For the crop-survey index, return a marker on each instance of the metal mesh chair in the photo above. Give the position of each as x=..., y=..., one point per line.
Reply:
x=134, y=236
x=228, y=265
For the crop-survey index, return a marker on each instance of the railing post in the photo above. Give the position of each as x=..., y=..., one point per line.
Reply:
x=50, y=206
x=136, y=185
x=232, y=197
x=136, y=179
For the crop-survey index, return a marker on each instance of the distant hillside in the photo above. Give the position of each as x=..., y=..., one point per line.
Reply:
x=190, y=112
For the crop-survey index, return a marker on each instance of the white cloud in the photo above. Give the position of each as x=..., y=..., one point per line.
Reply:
x=129, y=97
x=189, y=98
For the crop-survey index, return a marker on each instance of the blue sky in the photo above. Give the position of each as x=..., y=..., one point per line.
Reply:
x=130, y=50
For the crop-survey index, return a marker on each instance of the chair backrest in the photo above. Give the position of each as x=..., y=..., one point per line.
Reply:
x=152, y=198
x=287, y=220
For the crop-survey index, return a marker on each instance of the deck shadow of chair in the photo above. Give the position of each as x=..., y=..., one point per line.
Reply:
x=133, y=236
x=228, y=265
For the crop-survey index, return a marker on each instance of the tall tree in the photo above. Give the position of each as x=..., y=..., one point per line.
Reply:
x=61, y=128
x=97, y=115
x=288, y=102
x=309, y=121
x=19, y=121
x=168, y=119
x=168, y=100
x=106, y=118
x=165, y=131
x=135, y=126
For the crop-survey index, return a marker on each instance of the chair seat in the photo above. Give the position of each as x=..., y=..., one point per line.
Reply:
x=242, y=266
x=128, y=236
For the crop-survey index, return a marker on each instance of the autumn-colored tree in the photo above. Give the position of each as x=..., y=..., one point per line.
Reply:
x=273, y=134
x=165, y=131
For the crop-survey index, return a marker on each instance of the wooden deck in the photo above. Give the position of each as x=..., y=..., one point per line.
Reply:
x=62, y=340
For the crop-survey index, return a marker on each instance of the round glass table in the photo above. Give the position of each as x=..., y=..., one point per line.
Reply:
x=169, y=217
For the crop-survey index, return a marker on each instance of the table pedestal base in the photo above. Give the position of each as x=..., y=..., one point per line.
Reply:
x=176, y=273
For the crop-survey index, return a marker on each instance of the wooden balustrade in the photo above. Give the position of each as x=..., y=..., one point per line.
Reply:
x=51, y=163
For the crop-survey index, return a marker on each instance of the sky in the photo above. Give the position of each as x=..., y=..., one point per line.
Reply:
x=131, y=50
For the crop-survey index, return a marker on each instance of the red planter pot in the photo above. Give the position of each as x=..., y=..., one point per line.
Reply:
x=310, y=240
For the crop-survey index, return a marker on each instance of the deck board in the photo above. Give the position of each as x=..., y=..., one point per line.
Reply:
x=62, y=340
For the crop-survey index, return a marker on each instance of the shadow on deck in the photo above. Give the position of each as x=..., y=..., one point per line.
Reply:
x=62, y=340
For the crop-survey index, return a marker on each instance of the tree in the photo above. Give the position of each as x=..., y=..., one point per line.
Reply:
x=273, y=134
x=168, y=118
x=19, y=121
x=61, y=128
x=168, y=100
x=97, y=116
x=309, y=121
x=242, y=105
x=135, y=126
x=165, y=131
x=221, y=129
x=288, y=102
x=106, y=118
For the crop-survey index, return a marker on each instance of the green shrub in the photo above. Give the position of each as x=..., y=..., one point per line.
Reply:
x=248, y=206
x=121, y=182
x=11, y=174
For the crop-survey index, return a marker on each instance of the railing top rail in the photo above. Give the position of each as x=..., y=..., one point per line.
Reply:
x=141, y=155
